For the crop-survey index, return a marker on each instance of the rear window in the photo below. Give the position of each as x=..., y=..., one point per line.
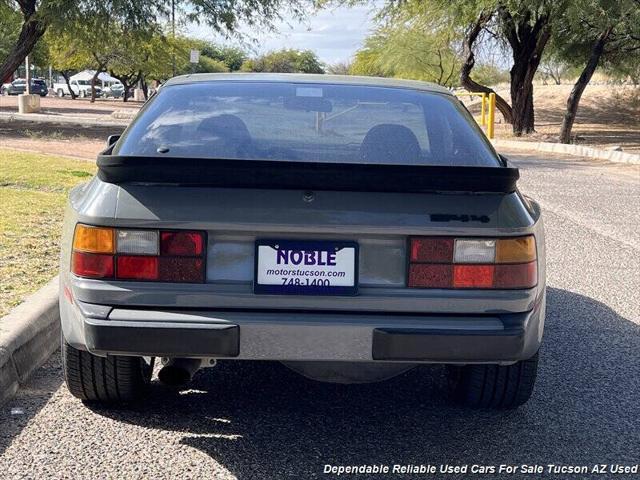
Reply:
x=308, y=123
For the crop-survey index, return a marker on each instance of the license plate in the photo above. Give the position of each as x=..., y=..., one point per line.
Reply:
x=292, y=267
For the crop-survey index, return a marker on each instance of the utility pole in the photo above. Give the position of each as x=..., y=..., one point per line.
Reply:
x=27, y=75
x=173, y=34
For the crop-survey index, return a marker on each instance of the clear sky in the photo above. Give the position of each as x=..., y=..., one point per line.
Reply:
x=334, y=34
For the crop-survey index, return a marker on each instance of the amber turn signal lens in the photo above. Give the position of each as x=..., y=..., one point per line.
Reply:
x=516, y=250
x=93, y=239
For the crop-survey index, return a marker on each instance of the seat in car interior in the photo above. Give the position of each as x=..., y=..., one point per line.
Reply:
x=389, y=143
x=225, y=135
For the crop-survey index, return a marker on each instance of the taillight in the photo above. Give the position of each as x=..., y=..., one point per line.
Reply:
x=137, y=268
x=92, y=265
x=181, y=244
x=473, y=276
x=93, y=239
x=494, y=263
x=143, y=255
x=93, y=249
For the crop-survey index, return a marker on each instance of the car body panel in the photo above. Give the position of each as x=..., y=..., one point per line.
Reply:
x=309, y=78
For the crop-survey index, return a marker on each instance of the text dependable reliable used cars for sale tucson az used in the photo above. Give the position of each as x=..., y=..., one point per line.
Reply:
x=351, y=228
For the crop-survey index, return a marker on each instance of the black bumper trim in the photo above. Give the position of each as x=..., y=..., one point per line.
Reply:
x=447, y=345
x=173, y=341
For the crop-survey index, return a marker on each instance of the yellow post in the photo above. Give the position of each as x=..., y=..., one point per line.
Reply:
x=483, y=120
x=492, y=114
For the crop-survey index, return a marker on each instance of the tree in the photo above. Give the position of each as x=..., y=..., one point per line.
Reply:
x=32, y=28
x=413, y=46
x=212, y=57
x=66, y=55
x=231, y=57
x=38, y=15
x=10, y=23
x=340, y=68
x=366, y=61
x=132, y=51
x=553, y=67
x=626, y=69
x=600, y=30
x=102, y=39
x=224, y=17
x=472, y=33
x=285, y=61
x=488, y=74
x=525, y=26
x=522, y=26
x=527, y=29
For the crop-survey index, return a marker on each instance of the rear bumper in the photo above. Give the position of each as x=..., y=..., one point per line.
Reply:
x=305, y=336
x=403, y=344
x=166, y=339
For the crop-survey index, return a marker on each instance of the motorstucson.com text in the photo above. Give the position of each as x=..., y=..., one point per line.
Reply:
x=477, y=469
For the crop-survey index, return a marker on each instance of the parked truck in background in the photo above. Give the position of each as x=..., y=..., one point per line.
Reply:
x=82, y=88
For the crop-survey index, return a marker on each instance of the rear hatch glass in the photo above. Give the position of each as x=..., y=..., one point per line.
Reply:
x=304, y=122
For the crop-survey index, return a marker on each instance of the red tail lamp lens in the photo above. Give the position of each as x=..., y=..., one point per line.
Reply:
x=92, y=265
x=178, y=269
x=436, y=250
x=137, y=267
x=473, y=276
x=523, y=275
x=143, y=254
x=430, y=276
x=181, y=244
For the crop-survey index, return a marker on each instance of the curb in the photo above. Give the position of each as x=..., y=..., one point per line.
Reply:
x=578, y=150
x=29, y=334
x=104, y=120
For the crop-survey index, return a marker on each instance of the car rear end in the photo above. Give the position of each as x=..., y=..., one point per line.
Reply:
x=39, y=87
x=377, y=231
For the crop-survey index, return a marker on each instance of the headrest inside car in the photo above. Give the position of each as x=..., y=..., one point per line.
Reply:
x=388, y=143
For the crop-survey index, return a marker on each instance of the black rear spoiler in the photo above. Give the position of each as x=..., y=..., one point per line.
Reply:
x=293, y=175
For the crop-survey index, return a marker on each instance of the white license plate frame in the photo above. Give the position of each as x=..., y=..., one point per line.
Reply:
x=329, y=258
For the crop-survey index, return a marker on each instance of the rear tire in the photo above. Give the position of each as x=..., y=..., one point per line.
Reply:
x=112, y=380
x=493, y=386
x=60, y=93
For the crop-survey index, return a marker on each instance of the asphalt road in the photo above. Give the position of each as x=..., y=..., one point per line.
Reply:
x=257, y=421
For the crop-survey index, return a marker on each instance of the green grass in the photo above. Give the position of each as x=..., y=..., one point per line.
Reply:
x=33, y=190
x=38, y=135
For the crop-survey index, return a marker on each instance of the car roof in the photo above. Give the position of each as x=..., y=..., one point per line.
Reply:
x=308, y=78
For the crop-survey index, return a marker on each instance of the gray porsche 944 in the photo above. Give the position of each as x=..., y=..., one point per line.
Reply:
x=351, y=228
